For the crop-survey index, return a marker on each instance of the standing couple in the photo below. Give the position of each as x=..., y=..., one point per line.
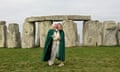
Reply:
x=54, y=45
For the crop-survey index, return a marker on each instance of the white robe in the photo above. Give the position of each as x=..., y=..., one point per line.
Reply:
x=55, y=47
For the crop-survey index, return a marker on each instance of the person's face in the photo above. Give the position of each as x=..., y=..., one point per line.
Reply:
x=54, y=26
x=59, y=27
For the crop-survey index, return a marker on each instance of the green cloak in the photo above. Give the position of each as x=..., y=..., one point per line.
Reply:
x=61, y=54
x=48, y=46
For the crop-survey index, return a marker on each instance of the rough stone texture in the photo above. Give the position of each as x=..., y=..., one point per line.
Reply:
x=3, y=33
x=13, y=36
x=58, y=18
x=118, y=34
x=78, y=40
x=77, y=35
x=109, y=33
x=43, y=27
x=28, y=35
x=99, y=33
x=19, y=40
x=71, y=35
x=92, y=33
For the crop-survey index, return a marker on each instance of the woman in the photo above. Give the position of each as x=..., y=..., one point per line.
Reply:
x=61, y=46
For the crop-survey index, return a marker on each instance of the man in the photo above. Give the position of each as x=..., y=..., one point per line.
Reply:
x=48, y=43
x=54, y=46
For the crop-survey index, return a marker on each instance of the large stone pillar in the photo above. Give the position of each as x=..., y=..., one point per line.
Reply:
x=43, y=27
x=71, y=35
x=3, y=31
x=118, y=34
x=92, y=33
x=77, y=40
x=13, y=36
x=28, y=35
x=99, y=33
x=109, y=33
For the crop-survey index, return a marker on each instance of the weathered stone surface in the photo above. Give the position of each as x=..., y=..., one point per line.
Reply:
x=118, y=34
x=71, y=35
x=109, y=33
x=13, y=36
x=58, y=18
x=92, y=33
x=28, y=35
x=99, y=33
x=78, y=40
x=38, y=36
x=3, y=33
x=43, y=27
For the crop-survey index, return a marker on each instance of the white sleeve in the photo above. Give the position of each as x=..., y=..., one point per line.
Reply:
x=54, y=37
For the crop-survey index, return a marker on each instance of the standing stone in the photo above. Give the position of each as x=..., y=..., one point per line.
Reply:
x=19, y=39
x=43, y=27
x=38, y=36
x=28, y=35
x=118, y=34
x=77, y=35
x=71, y=35
x=109, y=33
x=13, y=36
x=78, y=40
x=92, y=33
x=3, y=32
x=99, y=33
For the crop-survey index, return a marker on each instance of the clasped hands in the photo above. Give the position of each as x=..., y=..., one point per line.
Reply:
x=56, y=38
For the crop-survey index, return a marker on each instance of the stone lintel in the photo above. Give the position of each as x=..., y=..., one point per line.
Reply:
x=58, y=18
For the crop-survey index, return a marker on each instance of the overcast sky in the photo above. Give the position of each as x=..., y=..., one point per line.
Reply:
x=18, y=10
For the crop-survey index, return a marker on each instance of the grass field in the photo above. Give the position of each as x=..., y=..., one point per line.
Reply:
x=78, y=59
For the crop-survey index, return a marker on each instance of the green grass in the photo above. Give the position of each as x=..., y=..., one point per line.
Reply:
x=78, y=59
